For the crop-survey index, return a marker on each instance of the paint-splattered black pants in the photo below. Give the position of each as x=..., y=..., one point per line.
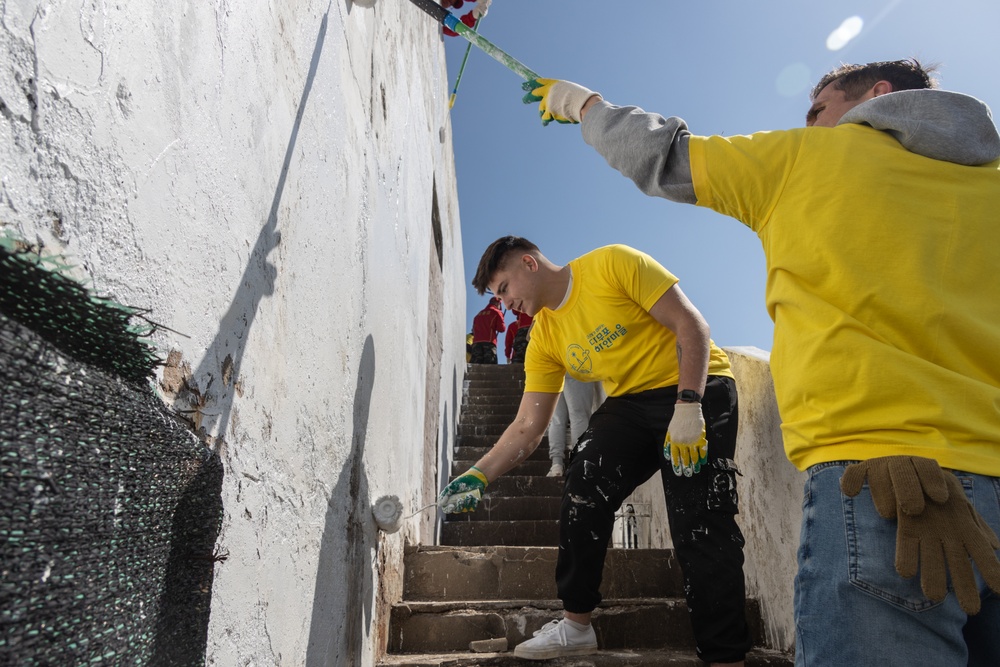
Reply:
x=483, y=353
x=621, y=449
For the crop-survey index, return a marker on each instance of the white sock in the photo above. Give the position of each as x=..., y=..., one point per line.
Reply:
x=579, y=627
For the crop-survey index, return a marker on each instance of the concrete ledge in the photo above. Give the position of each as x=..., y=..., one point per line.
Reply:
x=507, y=573
x=648, y=623
x=603, y=658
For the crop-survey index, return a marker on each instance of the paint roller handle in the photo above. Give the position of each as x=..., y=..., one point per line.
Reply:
x=432, y=8
x=451, y=22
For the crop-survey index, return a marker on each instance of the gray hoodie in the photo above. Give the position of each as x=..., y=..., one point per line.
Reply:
x=653, y=150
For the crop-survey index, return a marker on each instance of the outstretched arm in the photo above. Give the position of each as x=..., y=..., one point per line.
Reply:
x=646, y=147
x=521, y=438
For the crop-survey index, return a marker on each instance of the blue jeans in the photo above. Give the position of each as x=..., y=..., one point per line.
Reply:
x=853, y=608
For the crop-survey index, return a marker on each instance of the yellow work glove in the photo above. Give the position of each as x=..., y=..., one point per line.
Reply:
x=938, y=530
x=464, y=492
x=559, y=101
x=685, y=444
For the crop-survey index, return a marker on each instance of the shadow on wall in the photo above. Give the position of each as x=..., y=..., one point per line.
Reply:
x=185, y=603
x=343, y=596
x=225, y=354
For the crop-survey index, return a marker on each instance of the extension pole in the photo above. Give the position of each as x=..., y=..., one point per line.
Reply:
x=465, y=59
x=449, y=20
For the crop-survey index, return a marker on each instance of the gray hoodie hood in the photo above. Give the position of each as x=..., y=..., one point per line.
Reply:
x=938, y=124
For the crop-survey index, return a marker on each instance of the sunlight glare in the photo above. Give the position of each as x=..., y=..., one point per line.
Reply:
x=848, y=30
x=794, y=79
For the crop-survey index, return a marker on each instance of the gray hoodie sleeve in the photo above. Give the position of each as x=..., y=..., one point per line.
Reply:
x=646, y=147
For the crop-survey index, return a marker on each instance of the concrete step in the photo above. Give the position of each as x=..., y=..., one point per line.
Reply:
x=519, y=486
x=477, y=401
x=508, y=573
x=492, y=415
x=531, y=467
x=603, y=658
x=504, y=389
x=494, y=370
x=493, y=381
x=629, y=623
x=537, y=533
x=493, y=389
x=486, y=442
x=494, y=508
x=493, y=431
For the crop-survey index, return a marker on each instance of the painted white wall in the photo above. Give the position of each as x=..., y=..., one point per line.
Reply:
x=770, y=492
x=261, y=177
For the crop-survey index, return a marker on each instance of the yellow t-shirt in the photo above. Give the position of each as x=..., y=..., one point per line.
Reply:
x=878, y=262
x=604, y=331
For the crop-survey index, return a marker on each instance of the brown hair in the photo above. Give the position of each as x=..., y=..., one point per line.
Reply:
x=856, y=80
x=495, y=257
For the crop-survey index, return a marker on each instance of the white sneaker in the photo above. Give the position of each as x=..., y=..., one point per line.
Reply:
x=556, y=470
x=557, y=639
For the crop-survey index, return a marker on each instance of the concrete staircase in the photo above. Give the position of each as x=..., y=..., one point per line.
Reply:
x=491, y=583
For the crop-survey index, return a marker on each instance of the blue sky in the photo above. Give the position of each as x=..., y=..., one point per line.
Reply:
x=726, y=67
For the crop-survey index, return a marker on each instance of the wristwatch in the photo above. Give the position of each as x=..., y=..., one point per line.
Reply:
x=689, y=396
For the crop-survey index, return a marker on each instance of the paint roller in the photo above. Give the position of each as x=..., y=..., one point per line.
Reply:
x=450, y=21
x=388, y=513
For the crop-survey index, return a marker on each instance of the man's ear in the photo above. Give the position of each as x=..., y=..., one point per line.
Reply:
x=881, y=88
x=529, y=262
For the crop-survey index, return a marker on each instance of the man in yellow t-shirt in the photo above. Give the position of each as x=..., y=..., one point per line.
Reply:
x=879, y=224
x=616, y=316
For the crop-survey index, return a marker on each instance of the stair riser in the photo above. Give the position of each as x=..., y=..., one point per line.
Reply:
x=515, y=573
x=531, y=468
x=603, y=658
x=490, y=417
x=518, y=486
x=625, y=627
x=495, y=508
x=509, y=533
x=476, y=446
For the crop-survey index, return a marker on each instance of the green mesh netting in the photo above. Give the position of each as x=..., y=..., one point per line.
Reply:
x=109, y=507
x=93, y=330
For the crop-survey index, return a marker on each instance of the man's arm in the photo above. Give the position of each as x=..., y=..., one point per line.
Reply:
x=676, y=312
x=645, y=147
x=521, y=438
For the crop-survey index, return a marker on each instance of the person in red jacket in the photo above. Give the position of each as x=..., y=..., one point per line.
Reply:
x=487, y=323
x=508, y=341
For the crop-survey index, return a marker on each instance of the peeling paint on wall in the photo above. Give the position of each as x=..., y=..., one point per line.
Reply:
x=261, y=180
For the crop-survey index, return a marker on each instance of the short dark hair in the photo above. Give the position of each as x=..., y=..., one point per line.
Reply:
x=856, y=80
x=495, y=257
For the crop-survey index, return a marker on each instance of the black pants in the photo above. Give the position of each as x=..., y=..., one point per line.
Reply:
x=621, y=449
x=484, y=353
x=520, y=346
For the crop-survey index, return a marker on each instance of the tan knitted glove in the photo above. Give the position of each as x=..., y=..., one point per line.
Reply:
x=938, y=529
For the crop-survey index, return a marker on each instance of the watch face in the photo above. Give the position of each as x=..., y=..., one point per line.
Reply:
x=689, y=395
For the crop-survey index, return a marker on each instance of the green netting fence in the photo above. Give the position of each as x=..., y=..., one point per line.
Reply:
x=110, y=506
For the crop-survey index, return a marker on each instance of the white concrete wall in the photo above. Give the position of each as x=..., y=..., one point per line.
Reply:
x=261, y=177
x=770, y=496
x=770, y=492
